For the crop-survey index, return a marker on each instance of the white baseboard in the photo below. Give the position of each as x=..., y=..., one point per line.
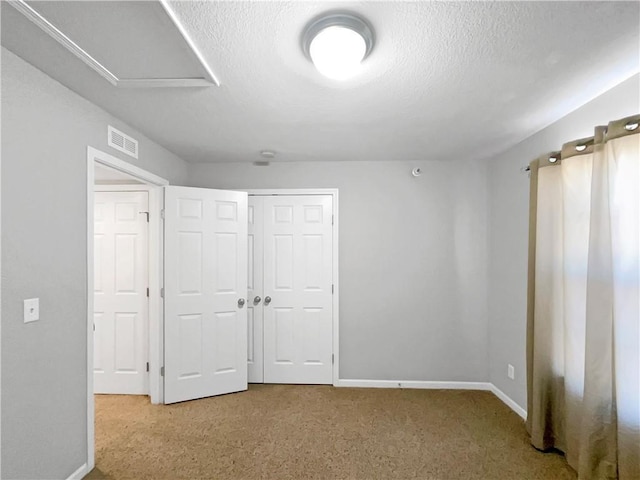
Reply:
x=79, y=473
x=435, y=386
x=414, y=384
x=509, y=402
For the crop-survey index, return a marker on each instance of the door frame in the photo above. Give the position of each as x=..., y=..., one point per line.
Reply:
x=335, y=280
x=154, y=185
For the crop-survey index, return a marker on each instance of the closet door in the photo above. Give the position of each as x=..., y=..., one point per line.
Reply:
x=255, y=290
x=298, y=320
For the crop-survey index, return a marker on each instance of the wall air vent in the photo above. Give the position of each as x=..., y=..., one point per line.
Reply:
x=122, y=142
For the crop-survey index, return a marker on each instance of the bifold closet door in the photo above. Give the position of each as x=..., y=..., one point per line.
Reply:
x=297, y=303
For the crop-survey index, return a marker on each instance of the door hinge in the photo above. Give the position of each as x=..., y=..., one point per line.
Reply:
x=147, y=366
x=162, y=371
x=162, y=292
x=162, y=213
x=332, y=219
x=147, y=291
x=94, y=327
x=332, y=359
x=332, y=289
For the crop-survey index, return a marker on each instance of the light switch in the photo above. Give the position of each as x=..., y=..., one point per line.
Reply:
x=31, y=310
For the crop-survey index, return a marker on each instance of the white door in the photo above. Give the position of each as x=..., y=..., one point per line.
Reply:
x=298, y=320
x=205, y=293
x=121, y=304
x=254, y=291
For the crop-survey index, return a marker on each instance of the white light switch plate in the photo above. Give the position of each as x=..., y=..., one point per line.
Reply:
x=31, y=310
x=511, y=372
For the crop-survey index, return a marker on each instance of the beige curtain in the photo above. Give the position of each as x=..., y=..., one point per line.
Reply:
x=583, y=335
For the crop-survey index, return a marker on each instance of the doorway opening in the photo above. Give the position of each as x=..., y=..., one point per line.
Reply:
x=124, y=281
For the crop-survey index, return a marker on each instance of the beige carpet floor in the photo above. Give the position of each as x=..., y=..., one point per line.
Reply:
x=298, y=432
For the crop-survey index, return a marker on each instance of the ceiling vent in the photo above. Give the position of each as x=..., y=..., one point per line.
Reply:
x=122, y=142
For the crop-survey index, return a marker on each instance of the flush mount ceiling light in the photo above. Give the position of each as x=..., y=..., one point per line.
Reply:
x=337, y=43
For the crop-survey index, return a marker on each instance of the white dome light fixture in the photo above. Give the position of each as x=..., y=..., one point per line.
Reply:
x=337, y=43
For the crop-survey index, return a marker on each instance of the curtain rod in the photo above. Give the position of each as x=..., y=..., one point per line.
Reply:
x=629, y=126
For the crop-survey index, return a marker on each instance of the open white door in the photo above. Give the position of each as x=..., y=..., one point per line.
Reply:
x=205, y=293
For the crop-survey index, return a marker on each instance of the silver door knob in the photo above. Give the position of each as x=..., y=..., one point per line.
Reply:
x=267, y=300
x=240, y=302
x=257, y=300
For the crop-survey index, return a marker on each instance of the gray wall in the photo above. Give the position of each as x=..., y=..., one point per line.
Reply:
x=509, y=226
x=45, y=132
x=413, y=261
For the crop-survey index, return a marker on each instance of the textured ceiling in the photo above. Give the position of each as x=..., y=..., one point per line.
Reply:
x=445, y=81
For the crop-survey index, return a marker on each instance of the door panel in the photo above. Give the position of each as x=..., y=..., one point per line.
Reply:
x=255, y=288
x=205, y=276
x=120, y=293
x=298, y=256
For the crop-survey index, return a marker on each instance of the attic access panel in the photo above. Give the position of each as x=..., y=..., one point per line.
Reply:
x=134, y=40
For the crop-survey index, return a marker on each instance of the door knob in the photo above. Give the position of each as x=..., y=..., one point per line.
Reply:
x=240, y=302
x=257, y=300
x=267, y=300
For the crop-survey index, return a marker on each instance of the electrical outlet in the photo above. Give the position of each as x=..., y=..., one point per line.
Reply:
x=511, y=372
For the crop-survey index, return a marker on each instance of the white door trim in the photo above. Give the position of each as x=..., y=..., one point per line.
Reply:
x=124, y=167
x=153, y=183
x=335, y=266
